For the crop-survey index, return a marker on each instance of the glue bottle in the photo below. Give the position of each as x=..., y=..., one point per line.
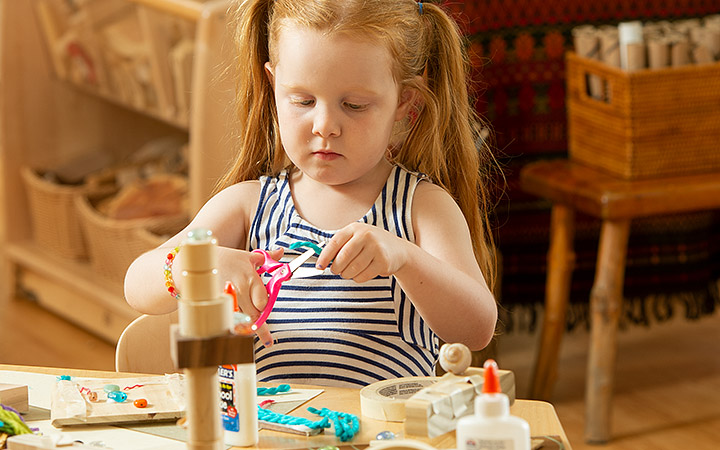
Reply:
x=492, y=426
x=238, y=387
x=238, y=403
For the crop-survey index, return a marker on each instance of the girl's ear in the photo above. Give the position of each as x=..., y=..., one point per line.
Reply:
x=408, y=98
x=269, y=73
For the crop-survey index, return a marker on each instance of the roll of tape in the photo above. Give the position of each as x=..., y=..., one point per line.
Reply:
x=400, y=444
x=385, y=400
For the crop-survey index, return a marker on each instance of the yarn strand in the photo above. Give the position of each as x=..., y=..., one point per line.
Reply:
x=346, y=425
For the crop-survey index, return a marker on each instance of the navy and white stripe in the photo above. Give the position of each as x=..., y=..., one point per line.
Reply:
x=337, y=332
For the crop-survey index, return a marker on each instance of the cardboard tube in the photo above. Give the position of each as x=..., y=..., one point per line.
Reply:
x=636, y=56
x=658, y=52
x=610, y=47
x=701, y=55
x=680, y=53
x=587, y=45
x=630, y=33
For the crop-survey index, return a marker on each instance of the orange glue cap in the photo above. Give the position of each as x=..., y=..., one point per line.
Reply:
x=492, y=381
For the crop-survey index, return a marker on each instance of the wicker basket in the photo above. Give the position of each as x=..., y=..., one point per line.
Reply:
x=651, y=123
x=114, y=244
x=55, y=223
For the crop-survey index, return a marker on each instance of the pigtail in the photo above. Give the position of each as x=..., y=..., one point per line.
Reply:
x=445, y=140
x=255, y=102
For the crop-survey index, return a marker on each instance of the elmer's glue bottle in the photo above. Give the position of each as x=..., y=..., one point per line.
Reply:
x=238, y=404
x=238, y=386
x=492, y=426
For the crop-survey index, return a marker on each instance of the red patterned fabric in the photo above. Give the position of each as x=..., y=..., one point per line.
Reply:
x=517, y=49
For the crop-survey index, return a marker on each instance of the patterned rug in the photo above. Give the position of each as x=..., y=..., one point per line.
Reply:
x=517, y=49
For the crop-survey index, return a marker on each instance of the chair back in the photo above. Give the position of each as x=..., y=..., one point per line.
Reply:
x=144, y=345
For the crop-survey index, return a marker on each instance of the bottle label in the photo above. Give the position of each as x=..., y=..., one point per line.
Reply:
x=489, y=444
x=230, y=419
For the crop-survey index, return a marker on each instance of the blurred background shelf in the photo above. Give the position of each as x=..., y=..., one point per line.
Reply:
x=61, y=100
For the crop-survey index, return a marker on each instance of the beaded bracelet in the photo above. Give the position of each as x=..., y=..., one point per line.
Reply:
x=169, y=283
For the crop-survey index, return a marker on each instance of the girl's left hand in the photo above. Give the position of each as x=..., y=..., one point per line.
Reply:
x=362, y=252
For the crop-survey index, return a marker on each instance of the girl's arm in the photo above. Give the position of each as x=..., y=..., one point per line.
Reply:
x=228, y=216
x=441, y=275
x=438, y=272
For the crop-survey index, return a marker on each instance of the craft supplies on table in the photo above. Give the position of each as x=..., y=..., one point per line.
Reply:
x=72, y=404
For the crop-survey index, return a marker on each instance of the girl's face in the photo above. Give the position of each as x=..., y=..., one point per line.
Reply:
x=337, y=102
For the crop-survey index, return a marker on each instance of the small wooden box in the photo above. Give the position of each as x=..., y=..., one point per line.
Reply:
x=648, y=123
x=14, y=396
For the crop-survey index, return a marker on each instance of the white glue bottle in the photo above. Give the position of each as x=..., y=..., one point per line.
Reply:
x=238, y=384
x=492, y=426
x=238, y=393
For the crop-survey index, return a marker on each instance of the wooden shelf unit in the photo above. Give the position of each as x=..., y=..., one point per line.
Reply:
x=47, y=121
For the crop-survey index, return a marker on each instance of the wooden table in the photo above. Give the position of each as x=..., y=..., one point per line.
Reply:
x=540, y=415
x=572, y=187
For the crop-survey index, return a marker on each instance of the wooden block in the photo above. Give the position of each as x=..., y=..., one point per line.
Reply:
x=212, y=351
x=14, y=396
x=436, y=409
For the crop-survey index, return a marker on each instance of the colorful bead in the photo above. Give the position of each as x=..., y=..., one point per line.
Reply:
x=385, y=436
x=167, y=271
x=117, y=396
x=140, y=403
x=111, y=388
x=92, y=396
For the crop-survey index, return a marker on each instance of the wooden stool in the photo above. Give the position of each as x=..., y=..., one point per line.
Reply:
x=570, y=187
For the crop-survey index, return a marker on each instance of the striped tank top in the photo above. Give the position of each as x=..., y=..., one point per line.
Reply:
x=331, y=331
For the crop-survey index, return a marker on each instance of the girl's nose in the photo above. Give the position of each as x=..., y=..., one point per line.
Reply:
x=325, y=123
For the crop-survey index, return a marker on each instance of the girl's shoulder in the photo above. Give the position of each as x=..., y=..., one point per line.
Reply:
x=241, y=188
x=243, y=195
x=430, y=199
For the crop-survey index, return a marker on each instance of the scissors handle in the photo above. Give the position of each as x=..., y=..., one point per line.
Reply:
x=269, y=265
x=280, y=273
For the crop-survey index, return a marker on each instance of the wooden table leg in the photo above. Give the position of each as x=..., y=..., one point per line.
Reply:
x=605, y=307
x=560, y=263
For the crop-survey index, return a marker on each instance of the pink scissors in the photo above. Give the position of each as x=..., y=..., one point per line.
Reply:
x=281, y=272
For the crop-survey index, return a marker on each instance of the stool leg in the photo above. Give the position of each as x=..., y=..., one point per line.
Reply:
x=560, y=262
x=605, y=306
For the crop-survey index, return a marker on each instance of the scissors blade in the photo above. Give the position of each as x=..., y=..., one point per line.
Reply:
x=307, y=272
x=297, y=263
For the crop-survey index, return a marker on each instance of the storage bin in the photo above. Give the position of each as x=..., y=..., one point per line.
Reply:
x=114, y=244
x=650, y=123
x=53, y=215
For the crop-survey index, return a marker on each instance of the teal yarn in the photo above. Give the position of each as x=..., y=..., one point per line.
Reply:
x=308, y=244
x=346, y=425
x=284, y=419
x=273, y=390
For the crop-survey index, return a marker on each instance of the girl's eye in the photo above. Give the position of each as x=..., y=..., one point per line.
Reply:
x=303, y=102
x=355, y=106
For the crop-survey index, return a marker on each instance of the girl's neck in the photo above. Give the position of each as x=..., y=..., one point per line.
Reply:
x=331, y=207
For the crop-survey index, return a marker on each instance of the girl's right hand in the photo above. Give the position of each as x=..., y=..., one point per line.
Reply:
x=239, y=267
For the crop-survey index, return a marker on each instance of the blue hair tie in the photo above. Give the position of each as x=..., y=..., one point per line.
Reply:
x=420, y=6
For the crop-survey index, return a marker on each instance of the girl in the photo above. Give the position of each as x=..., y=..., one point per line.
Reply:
x=357, y=133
